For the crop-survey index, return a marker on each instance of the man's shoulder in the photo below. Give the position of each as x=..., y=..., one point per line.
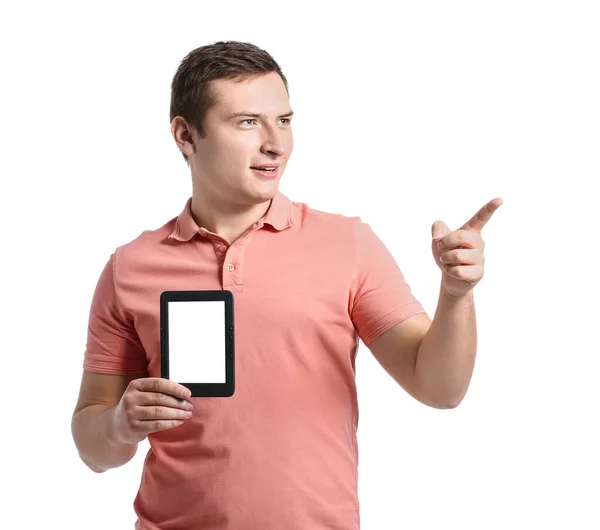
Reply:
x=147, y=240
x=327, y=218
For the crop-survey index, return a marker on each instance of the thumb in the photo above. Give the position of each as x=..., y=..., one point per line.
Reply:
x=438, y=230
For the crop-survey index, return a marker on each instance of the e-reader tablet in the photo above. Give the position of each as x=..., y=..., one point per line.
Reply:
x=197, y=341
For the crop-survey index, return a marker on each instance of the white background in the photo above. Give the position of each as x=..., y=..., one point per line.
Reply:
x=405, y=113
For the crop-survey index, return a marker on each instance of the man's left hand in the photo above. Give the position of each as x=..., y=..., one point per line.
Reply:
x=460, y=253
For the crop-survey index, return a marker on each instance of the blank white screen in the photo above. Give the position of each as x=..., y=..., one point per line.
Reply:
x=197, y=341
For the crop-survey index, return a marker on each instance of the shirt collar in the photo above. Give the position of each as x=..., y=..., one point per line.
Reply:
x=280, y=216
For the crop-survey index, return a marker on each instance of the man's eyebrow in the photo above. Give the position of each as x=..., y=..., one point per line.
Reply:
x=256, y=115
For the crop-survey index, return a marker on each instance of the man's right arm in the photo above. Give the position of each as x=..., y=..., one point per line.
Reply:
x=93, y=422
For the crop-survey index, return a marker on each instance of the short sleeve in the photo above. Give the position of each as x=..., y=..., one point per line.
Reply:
x=380, y=297
x=113, y=346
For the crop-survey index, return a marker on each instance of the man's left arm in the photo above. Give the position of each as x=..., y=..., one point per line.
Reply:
x=446, y=354
x=434, y=360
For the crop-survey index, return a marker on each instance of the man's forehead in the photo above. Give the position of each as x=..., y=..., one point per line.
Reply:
x=252, y=96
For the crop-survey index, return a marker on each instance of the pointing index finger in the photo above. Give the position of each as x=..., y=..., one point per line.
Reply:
x=478, y=221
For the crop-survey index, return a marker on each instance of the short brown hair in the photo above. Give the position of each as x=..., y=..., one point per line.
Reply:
x=191, y=97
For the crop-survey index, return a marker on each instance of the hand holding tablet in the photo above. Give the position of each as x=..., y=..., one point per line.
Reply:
x=197, y=341
x=148, y=405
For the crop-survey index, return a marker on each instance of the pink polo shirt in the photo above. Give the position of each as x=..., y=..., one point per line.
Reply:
x=281, y=453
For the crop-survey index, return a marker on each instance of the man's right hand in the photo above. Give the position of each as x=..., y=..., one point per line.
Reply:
x=148, y=405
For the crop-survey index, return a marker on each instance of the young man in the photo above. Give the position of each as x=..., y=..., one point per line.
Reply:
x=281, y=453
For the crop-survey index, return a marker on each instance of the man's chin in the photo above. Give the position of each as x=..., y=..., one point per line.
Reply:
x=262, y=194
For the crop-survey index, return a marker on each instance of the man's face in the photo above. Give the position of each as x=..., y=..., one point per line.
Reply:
x=223, y=160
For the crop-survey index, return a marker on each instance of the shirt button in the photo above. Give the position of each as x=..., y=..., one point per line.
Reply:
x=230, y=267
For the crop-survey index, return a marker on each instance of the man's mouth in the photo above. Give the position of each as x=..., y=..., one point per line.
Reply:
x=267, y=172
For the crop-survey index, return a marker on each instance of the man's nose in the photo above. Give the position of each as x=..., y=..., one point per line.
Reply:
x=273, y=142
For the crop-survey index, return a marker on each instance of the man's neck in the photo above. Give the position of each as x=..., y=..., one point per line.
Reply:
x=230, y=221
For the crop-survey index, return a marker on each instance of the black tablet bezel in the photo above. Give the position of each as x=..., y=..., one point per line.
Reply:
x=201, y=389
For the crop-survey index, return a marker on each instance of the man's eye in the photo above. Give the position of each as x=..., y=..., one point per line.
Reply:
x=286, y=120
